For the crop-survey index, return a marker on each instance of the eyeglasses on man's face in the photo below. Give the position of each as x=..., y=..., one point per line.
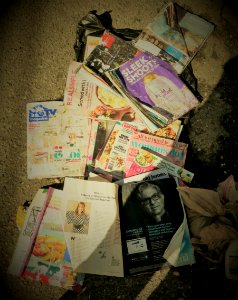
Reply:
x=149, y=200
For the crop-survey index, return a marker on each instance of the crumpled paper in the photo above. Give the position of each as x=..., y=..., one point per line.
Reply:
x=212, y=217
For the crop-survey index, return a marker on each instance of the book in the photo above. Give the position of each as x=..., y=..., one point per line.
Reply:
x=57, y=140
x=100, y=229
x=175, y=35
x=49, y=262
x=155, y=85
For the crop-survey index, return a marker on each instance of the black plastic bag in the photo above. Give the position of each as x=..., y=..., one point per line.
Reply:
x=94, y=24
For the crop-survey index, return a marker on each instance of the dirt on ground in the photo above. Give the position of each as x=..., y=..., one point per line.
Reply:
x=37, y=39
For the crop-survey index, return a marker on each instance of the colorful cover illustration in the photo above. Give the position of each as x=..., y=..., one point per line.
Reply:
x=175, y=35
x=154, y=83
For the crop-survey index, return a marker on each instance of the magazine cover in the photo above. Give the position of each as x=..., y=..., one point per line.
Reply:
x=175, y=35
x=110, y=53
x=125, y=147
x=100, y=130
x=112, y=157
x=49, y=262
x=57, y=140
x=152, y=81
x=143, y=160
x=94, y=98
x=153, y=226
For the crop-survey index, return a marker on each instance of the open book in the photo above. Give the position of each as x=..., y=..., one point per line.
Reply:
x=108, y=233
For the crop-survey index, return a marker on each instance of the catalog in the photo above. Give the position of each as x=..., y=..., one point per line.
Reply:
x=102, y=241
x=57, y=140
x=153, y=82
x=175, y=35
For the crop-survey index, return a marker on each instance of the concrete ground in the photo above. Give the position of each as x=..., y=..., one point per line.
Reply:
x=36, y=44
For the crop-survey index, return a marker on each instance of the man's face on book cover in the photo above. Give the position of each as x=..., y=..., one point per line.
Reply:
x=152, y=201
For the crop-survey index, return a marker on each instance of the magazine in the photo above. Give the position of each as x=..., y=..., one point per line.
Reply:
x=118, y=246
x=175, y=35
x=91, y=43
x=110, y=53
x=143, y=160
x=57, y=140
x=94, y=98
x=91, y=226
x=125, y=142
x=49, y=261
x=28, y=231
x=154, y=83
x=154, y=234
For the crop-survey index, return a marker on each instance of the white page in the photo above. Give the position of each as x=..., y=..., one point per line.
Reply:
x=97, y=248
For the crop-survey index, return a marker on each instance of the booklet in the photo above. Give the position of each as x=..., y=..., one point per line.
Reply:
x=102, y=241
x=57, y=140
x=153, y=82
x=175, y=35
x=91, y=42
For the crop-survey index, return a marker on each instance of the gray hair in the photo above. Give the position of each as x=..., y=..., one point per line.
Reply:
x=143, y=186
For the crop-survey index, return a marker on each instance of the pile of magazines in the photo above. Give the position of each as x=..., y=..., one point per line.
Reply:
x=117, y=127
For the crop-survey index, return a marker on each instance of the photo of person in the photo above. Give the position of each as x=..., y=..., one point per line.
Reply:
x=151, y=214
x=153, y=202
x=77, y=217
